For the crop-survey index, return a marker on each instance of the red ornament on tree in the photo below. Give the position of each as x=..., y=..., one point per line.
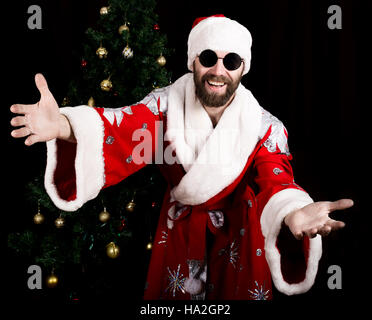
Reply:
x=122, y=225
x=83, y=63
x=156, y=27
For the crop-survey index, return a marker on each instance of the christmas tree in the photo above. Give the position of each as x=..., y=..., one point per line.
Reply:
x=106, y=244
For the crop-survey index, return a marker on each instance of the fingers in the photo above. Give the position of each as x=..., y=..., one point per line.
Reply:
x=41, y=84
x=340, y=204
x=314, y=218
x=21, y=108
x=312, y=232
x=335, y=225
x=298, y=235
x=21, y=132
x=24, y=132
x=32, y=139
x=18, y=121
x=325, y=230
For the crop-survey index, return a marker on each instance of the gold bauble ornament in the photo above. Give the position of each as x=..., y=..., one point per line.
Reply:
x=122, y=28
x=52, y=281
x=59, y=222
x=149, y=245
x=127, y=52
x=161, y=61
x=103, y=11
x=106, y=85
x=112, y=250
x=91, y=102
x=101, y=52
x=104, y=216
x=38, y=218
x=130, y=206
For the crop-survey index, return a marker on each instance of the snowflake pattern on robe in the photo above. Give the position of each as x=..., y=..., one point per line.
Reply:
x=259, y=293
x=232, y=253
x=176, y=281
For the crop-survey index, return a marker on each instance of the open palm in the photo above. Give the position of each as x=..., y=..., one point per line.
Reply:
x=38, y=122
x=314, y=218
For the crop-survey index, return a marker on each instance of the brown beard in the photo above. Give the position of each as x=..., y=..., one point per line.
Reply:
x=214, y=99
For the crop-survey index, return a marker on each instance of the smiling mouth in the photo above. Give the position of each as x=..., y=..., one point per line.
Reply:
x=217, y=84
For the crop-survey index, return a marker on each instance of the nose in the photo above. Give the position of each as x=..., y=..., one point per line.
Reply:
x=218, y=69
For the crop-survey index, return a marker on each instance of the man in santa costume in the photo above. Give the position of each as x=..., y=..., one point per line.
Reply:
x=233, y=220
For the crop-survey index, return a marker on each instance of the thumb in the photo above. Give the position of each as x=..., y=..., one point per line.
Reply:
x=41, y=84
x=341, y=204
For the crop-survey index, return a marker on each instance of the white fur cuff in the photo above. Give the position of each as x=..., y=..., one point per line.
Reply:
x=89, y=162
x=279, y=205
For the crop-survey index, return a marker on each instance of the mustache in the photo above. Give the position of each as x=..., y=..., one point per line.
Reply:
x=212, y=77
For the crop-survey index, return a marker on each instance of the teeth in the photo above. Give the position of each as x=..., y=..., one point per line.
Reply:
x=215, y=83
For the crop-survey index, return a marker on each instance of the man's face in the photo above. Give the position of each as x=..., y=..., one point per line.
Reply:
x=215, y=86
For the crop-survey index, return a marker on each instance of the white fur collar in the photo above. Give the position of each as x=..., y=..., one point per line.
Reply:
x=212, y=158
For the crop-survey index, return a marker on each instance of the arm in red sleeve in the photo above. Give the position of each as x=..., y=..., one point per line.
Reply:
x=293, y=264
x=111, y=145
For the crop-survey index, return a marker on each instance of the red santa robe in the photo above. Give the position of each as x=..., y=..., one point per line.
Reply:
x=229, y=190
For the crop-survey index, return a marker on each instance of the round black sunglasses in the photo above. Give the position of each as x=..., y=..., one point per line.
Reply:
x=208, y=58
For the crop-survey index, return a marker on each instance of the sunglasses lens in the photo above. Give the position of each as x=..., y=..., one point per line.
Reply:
x=232, y=61
x=208, y=58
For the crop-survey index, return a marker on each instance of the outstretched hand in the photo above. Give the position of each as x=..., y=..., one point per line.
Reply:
x=38, y=122
x=314, y=218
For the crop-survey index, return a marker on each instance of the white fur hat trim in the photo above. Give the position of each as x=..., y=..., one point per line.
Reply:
x=222, y=34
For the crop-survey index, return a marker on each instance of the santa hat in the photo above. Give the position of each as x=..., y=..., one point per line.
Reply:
x=219, y=33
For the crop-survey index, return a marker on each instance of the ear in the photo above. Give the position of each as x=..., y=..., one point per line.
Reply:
x=242, y=73
x=193, y=66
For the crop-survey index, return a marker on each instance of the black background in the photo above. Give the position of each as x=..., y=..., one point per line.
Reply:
x=316, y=80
